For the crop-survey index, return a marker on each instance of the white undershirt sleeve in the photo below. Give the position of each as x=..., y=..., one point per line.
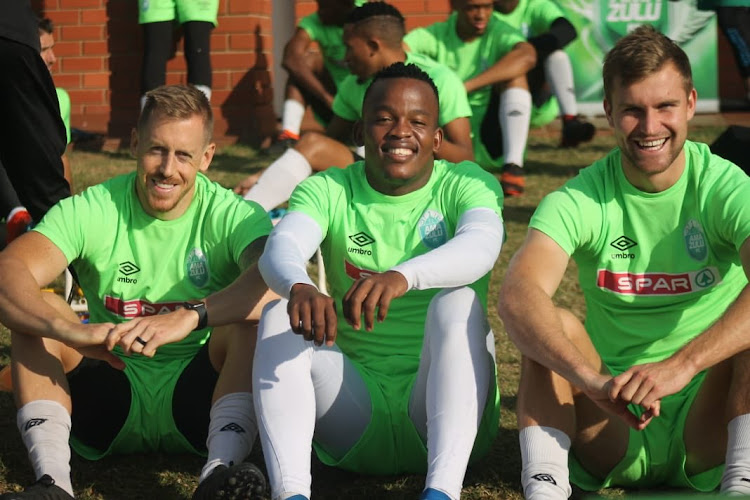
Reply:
x=291, y=244
x=463, y=259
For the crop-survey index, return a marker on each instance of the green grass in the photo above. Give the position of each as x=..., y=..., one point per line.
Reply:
x=159, y=476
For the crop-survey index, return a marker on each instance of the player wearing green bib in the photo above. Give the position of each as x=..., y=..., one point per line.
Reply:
x=373, y=36
x=651, y=389
x=492, y=59
x=544, y=25
x=198, y=19
x=314, y=75
x=397, y=377
x=167, y=262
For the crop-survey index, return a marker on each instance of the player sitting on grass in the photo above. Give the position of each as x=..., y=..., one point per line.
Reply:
x=373, y=36
x=652, y=389
x=167, y=260
x=391, y=373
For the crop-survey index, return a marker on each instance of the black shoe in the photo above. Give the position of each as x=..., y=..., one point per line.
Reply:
x=575, y=131
x=280, y=145
x=511, y=179
x=43, y=489
x=242, y=481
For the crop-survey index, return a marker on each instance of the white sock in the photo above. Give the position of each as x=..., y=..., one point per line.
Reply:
x=231, y=432
x=544, y=458
x=736, y=478
x=45, y=430
x=277, y=182
x=205, y=89
x=514, y=115
x=559, y=74
x=291, y=116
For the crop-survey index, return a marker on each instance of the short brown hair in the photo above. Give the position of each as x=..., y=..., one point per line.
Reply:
x=178, y=101
x=641, y=53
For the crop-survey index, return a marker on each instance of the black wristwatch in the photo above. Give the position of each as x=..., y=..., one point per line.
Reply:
x=200, y=308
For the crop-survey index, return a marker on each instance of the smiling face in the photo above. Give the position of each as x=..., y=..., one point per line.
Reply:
x=401, y=134
x=473, y=17
x=170, y=152
x=650, y=120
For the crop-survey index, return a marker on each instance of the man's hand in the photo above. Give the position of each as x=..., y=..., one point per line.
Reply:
x=248, y=182
x=147, y=333
x=646, y=384
x=374, y=291
x=312, y=314
x=600, y=394
x=89, y=340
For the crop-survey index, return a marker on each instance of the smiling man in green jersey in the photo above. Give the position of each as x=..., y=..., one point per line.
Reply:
x=651, y=390
x=397, y=376
x=551, y=83
x=373, y=36
x=492, y=59
x=167, y=260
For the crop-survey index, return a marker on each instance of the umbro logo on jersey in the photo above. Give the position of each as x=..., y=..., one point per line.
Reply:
x=127, y=268
x=361, y=239
x=545, y=477
x=623, y=243
x=232, y=428
x=33, y=422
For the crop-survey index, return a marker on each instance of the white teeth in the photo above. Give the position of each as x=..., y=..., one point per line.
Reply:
x=400, y=151
x=652, y=144
x=163, y=186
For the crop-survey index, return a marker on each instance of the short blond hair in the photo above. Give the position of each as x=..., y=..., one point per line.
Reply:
x=178, y=101
x=641, y=53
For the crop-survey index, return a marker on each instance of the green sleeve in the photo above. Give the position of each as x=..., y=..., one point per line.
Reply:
x=248, y=222
x=422, y=41
x=728, y=207
x=475, y=188
x=541, y=14
x=568, y=216
x=347, y=103
x=64, y=99
x=454, y=103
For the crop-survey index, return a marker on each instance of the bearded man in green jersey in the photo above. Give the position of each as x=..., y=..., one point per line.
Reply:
x=397, y=376
x=651, y=390
x=167, y=261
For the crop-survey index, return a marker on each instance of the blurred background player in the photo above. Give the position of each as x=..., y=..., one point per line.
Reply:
x=492, y=59
x=551, y=81
x=197, y=20
x=314, y=75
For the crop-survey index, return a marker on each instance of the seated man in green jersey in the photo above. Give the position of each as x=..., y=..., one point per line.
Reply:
x=167, y=260
x=492, y=59
x=373, y=36
x=394, y=372
x=551, y=83
x=651, y=390
x=314, y=75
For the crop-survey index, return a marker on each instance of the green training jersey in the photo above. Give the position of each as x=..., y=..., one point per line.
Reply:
x=656, y=269
x=453, y=101
x=532, y=17
x=130, y=264
x=330, y=40
x=366, y=231
x=440, y=42
x=64, y=99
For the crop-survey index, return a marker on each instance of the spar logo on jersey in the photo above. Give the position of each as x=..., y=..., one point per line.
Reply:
x=127, y=268
x=361, y=239
x=135, y=308
x=431, y=226
x=695, y=240
x=657, y=283
x=196, y=267
x=355, y=272
x=623, y=244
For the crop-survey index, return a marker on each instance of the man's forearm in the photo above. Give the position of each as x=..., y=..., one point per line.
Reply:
x=515, y=63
